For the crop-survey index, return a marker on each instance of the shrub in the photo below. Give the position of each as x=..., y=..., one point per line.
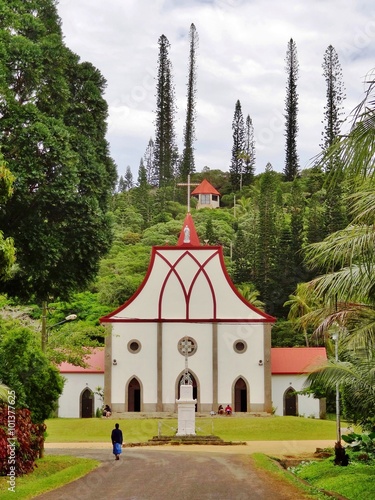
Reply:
x=20, y=441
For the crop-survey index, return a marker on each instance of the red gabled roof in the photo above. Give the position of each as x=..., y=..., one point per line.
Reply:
x=194, y=240
x=205, y=188
x=95, y=362
x=294, y=360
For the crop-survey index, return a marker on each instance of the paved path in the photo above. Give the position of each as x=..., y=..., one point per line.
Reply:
x=179, y=472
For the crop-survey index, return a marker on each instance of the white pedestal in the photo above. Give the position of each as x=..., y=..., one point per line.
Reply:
x=186, y=411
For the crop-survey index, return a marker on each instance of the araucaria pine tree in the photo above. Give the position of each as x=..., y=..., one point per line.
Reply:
x=187, y=165
x=335, y=216
x=249, y=156
x=237, y=162
x=291, y=169
x=165, y=152
x=332, y=73
x=149, y=164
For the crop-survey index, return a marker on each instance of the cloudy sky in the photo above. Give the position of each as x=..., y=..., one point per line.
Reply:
x=241, y=55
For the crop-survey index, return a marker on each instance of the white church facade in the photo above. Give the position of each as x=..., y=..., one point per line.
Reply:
x=188, y=297
x=187, y=294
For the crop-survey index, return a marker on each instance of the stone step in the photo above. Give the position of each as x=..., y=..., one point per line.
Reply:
x=166, y=415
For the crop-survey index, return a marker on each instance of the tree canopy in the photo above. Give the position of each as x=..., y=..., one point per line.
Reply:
x=52, y=135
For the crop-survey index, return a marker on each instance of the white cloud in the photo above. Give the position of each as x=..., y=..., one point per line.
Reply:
x=241, y=55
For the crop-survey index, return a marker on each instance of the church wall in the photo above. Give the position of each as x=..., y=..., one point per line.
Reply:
x=307, y=406
x=75, y=384
x=232, y=364
x=200, y=363
x=141, y=364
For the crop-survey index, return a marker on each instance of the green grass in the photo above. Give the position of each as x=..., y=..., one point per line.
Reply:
x=270, y=466
x=50, y=473
x=357, y=481
x=64, y=430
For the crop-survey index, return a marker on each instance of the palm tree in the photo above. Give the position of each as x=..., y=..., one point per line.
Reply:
x=355, y=374
x=301, y=304
x=347, y=256
x=347, y=288
x=251, y=294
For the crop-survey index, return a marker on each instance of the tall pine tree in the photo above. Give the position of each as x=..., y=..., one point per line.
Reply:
x=237, y=162
x=268, y=237
x=187, y=164
x=335, y=217
x=291, y=169
x=249, y=153
x=165, y=151
x=149, y=164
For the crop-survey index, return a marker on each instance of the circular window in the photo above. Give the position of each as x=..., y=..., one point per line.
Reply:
x=134, y=346
x=240, y=346
x=187, y=345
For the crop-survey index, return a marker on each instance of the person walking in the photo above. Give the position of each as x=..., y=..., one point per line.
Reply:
x=116, y=438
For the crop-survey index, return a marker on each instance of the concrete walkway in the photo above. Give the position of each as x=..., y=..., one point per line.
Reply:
x=180, y=472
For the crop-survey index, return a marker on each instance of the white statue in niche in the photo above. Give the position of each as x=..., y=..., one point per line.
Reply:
x=187, y=234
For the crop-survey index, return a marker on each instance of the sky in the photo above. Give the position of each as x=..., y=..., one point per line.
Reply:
x=241, y=56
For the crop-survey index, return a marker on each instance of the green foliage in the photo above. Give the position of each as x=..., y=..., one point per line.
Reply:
x=284, y=334
x=54, y=117
x=165, y=150
x=51, y=473
x=187, y=164
x=26, y=370
x=357, y=481
x=361, y=442
x=291, y=169
x=162, y=233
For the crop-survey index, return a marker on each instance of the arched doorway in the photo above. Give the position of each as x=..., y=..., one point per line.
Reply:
x=240, y=396
x=195, y=387
x=87, y=404
x=290, y=402
x=134, y=395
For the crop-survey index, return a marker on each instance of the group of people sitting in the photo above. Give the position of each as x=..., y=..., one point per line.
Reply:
x=107, y=412
x=227, y=411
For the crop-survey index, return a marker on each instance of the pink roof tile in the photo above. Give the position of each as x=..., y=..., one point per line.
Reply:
x=95, y=362
x=289, y=360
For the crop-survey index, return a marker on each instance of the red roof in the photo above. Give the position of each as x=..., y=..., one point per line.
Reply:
x=95, y=362
x=192, y=233
x=288, y=360
x=205, y=188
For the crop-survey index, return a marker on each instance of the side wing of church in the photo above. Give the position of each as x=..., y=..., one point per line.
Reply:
x=187, y=295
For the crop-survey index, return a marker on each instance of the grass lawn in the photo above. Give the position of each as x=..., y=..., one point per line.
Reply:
x=50, y=473
x=356, y=481
x=64, y=430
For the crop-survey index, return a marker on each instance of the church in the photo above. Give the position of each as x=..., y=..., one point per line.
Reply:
x=188, y=298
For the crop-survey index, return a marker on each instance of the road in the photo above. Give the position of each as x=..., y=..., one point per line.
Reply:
x=178, y=473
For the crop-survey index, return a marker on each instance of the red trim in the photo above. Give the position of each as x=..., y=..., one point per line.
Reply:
x=190, y=320
x=268, y=318
x=187, y=293
x=216, y=250
x=108, y=317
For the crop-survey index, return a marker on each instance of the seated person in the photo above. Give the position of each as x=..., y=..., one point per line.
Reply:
x=228, y=410
x=107, y=411
x=220, y=410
